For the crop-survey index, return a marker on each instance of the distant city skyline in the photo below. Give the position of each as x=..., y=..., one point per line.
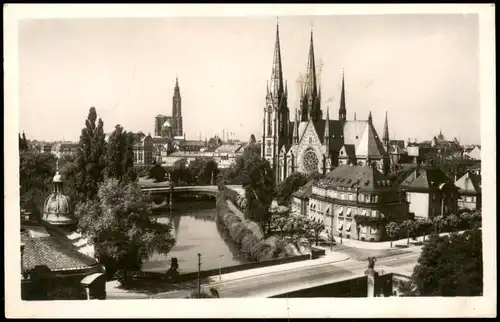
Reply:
x=422, y=69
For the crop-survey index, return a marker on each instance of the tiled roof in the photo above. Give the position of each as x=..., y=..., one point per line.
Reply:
x=423, y=178
x=305, y=191
x=54, y=252
x=469, y=183
x=367, y=178
x=228, y=148
x=370, y=145
x=192, y=143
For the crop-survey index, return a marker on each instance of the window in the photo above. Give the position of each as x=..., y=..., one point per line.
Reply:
x=348, y=212
x=361, y=197
x=327, y=211
x=363, y=213
x=473, y=199
x=374, y=213
x=342, y=196
x=340, y=225
x=349, y=223
x=268, y=151
x=367, y=198
x=310, y=140
x=408, y=197
x=468, y=199
x=363, y=229
x=373, y=230
x=351, y=197
x=341, y=210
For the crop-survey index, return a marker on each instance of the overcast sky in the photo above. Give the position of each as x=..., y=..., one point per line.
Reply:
x=421, y=69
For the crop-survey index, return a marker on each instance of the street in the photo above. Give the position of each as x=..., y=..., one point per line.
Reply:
x=281, y=282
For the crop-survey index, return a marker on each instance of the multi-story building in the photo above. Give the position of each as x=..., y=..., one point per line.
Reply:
x=430, y=192
x=224, y=158
x=143, y=149
x=469, y=191
x=351, y=190
x=313, y=143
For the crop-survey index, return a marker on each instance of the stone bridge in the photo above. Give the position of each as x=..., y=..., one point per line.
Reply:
x=162, y=190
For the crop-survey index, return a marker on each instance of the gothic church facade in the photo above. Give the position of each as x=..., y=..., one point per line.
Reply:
x=313, y=143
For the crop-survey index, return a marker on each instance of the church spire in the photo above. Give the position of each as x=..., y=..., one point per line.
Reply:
x=295, y=137
x=342, y=109
x=277, y=73
x=385, y=137
x=354, y=116
x=311, y=87
x=370, y=117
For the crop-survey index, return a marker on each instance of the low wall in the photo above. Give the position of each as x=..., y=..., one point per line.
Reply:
x=354, y=287
x=223, y=270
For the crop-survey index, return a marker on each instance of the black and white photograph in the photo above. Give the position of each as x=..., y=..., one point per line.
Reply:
x=283, y=157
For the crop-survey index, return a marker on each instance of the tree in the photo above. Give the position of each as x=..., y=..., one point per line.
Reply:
x=180, y=173
x=157, y=172
x=36, y=171
x=450, y=266
x=317, y=228
x=259, y=188
x=120, y=155
x=288, y=186
x=23, y=143
x=91, y=157
x=452, y=221
x=252, y=139
x=437, y=223
x=392, y=230
x=425, y=225
x=408, y=227
x=202, y=170
x=118, y=223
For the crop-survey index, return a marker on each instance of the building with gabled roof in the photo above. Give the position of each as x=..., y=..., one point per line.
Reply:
x=313, y=143
x=430, y=192
x=349, y=191
x=469, y=191
x=300, y=198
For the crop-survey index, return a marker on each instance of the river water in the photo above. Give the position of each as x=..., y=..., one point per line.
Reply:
x=196, y=231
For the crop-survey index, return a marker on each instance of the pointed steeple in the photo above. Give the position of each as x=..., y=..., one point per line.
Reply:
x=354, y=116
x=326, y=135
x=370, y=117
x=385, y=136
x=295, y=138
x=311, y=86
x=277, y=74
x=342, y=109
x=286, y=88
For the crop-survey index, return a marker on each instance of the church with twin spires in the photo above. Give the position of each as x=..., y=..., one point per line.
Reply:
x=313, y=142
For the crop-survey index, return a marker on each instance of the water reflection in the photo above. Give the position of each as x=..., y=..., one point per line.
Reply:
x=196, y=231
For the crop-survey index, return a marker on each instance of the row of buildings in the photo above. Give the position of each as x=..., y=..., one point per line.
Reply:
x=350, y=190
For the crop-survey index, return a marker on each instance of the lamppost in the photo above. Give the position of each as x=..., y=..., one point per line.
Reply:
x=220, y=267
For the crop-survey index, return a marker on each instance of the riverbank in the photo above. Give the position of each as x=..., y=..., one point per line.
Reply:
x=249, y=235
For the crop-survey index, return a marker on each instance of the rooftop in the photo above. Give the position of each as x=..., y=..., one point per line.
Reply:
x=354, y=176
x=54, y=251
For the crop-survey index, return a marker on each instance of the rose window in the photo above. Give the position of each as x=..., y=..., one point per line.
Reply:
x=310, y=161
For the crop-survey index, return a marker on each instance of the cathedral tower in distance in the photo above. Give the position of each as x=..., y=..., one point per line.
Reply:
x=177, y=110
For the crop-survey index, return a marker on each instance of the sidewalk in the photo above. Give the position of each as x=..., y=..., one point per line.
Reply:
x=329, y=258
x=378, y=245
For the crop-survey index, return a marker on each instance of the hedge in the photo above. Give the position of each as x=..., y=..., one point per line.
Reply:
x=245, y=234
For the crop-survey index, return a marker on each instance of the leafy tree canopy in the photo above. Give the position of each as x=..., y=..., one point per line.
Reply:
x=288, y=186
x=36, y=171
x=120, y=155
x=91, y=157
x=118, y=223
x=451, y=266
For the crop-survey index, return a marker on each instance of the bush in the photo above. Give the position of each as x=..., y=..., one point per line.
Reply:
x=248, y=234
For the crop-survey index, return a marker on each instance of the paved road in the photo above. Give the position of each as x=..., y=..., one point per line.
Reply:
x=281, y=282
